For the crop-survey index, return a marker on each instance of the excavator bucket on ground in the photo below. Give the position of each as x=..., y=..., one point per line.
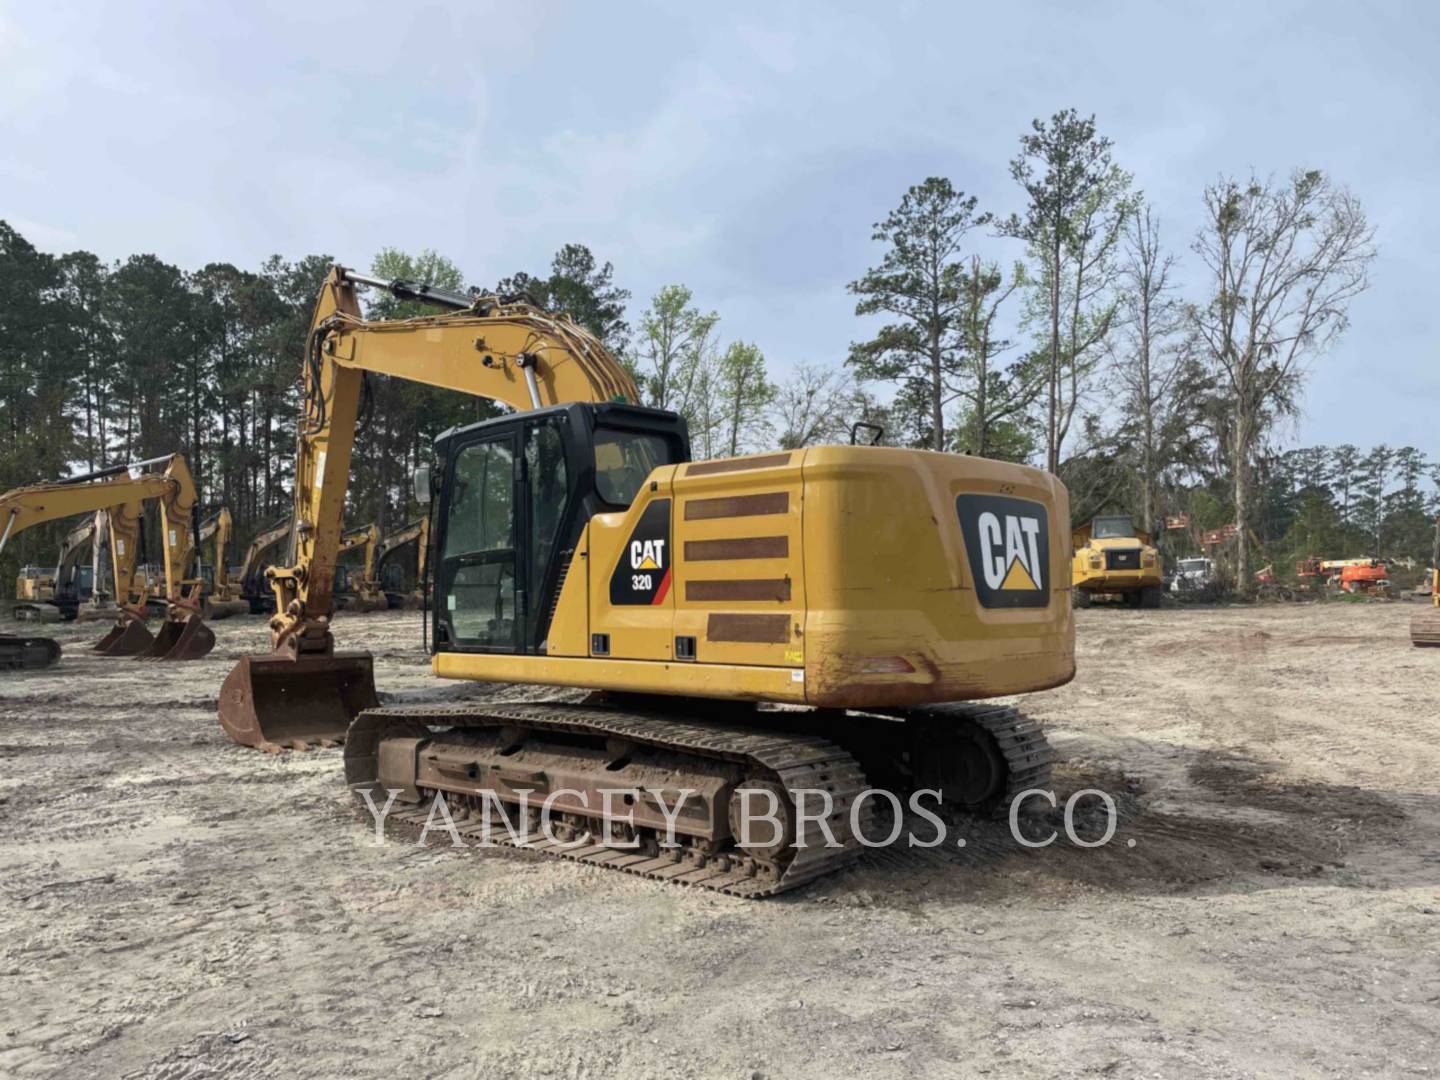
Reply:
x=128, y=637
x=28, y=652
x=275, y=701
x=185, y=638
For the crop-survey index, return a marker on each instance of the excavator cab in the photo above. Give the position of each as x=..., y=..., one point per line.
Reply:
x=512, y=497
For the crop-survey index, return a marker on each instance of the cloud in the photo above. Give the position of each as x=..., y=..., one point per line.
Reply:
x=746, y=153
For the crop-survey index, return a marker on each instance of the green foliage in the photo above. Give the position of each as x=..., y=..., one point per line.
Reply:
x=1077, y=203
x=746, y=394
x=675, y=351
x=585, y=291
x=920, y=285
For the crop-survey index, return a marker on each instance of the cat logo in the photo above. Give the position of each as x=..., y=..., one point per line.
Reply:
x=640, y=575
x=1008, y=544
x=647, y=554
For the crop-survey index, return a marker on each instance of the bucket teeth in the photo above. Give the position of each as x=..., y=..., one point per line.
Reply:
x=186, y=638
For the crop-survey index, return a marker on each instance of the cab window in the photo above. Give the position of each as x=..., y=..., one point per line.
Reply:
x=1112, y=528
x=623, y=461
x=478, y=568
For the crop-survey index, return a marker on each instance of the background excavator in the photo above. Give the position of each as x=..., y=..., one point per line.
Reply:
x=45, y=595
x=122, y=490
x=100, y=604
x=254, y=589
x=223, y=597
x=1425, y=624
x=357, y=587
x=390, y=571
x=578, y=546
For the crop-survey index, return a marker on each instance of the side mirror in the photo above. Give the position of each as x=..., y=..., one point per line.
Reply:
x=423, y=493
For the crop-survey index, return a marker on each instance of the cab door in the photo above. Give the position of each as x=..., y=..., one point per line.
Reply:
x=477, y=590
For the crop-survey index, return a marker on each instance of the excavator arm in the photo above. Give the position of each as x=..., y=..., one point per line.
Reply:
x=224, y=598
x=363, y=589
x=492, y=347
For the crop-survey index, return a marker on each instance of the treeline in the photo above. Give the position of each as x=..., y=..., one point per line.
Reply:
x=1150, y=383
x=1078, y=351
x=104, y=363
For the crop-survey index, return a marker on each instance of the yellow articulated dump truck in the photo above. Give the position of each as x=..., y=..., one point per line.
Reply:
x=1114, y=558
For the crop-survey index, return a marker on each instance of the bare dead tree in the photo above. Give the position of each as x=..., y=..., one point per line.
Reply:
x=1150, y=355
x=816, y=404
x=1285, y=261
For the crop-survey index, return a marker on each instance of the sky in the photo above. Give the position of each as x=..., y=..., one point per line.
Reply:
x=744, y=150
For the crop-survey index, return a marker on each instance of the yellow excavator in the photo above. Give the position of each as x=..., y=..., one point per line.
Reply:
x=256, y=594
x=418, y=534
x=42, y=595
x=122, y=491
x=1425, y=624
x=100, y=603
x=868, y=592
x=357, y=588
x=223, y=597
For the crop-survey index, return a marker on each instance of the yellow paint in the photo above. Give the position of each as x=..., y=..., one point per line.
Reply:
x=875, y=565
x=877, y=568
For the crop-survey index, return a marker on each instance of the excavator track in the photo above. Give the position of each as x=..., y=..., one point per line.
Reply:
x=792, y=761
x=1018, y=741
x=1425, y=627
x=786, y=751
x=28, y=653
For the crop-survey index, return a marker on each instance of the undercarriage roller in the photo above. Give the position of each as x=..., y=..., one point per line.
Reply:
x=277, y=700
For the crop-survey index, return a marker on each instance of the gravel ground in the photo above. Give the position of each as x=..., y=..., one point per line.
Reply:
x=177, y=907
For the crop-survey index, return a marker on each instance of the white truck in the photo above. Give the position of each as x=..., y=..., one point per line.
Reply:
x=1193, y=576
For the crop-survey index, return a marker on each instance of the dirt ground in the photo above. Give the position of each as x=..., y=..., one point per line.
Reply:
x=175, y=907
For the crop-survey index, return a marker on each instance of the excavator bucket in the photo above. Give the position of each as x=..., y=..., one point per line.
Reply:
x=276, y=701
x=28, y=652
x=187, y=638
x=128, y=637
